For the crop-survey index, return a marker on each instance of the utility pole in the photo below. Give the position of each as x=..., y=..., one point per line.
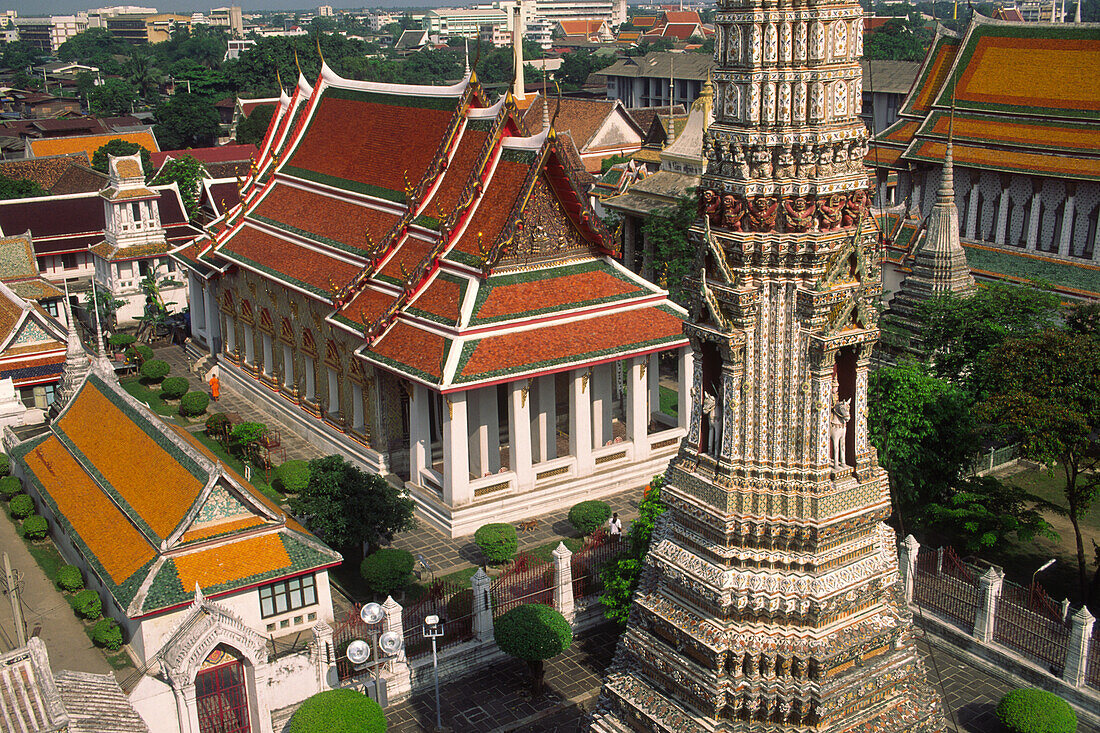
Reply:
x=16, y=608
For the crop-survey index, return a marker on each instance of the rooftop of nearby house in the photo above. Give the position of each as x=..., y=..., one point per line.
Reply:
x=88, y=144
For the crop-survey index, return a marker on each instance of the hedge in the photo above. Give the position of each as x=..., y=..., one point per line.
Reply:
x=588, y=516
x=173, y=388
x=87, y=604
x=497, y=542
x=194, y=404
x=22, y=506
x=122, y=340
x=154, y=370
x=1030, y=710
x=107, y=634
x=387, y=570
x=10, y=486
x=139, y=353
x=292, y=476
x=216, y=423
x=69, y=578
x=338, y=711
x=532, y=632
x=5, y=464
x=35, y=527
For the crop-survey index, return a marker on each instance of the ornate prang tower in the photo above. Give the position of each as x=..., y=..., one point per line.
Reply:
x=770, y=600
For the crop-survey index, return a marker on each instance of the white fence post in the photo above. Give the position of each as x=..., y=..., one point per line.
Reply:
x=563, y=581
x=990, y=586
x=399, y=679
x=1077, y=651
x=907, y=565
x=482, y=608
x=325, y=658
x=393, y=621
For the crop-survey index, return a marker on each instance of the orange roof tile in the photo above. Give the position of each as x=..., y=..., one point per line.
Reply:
x=110, y=536
x=144, y=474
x=979, y=156
x=552, y=292
x=494, y=207
x=448, y=195
x=129, y=169
x=934, y=78
x=367, y=305
x=88, y=144
x=411, y=253
x=324, y=216
x=442, y=298
x=408, y=345
x=322, y=273
x=233, y=561
x=10, y=313
x=212, y=530
x=1011, y=132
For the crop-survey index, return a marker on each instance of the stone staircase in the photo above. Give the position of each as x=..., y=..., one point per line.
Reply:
x=199, y=358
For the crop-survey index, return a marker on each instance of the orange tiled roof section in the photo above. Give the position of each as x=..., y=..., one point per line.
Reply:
x=194, y=535
x=129, y=169
x=1019, y=133
x=367, y=305
x=88, y=144
x=148, y=478
x=442, y=298
x=902, y=133
x=325, y=216
x=581, y=118
x=107, y=532
x=980, y=156
x=226, y=563
x=552, y=293
x=448, y=196
x=938, y=70
x=495, y=206
x=295, y=261
x=381, y=152
x=409, y=345
x=1059, y=73
x=411, y=253
x=10, y=313
x=562, y=341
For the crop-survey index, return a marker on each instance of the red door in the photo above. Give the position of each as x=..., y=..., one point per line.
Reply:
x=222, y=699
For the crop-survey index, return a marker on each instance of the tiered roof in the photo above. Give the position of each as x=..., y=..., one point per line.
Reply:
x=32, y=344
x=152, y=511
x=462, y=255
x=1026, y=99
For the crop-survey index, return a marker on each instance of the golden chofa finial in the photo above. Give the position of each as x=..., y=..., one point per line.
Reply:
x=319, y=54
x=279, y=79
x=480, y=246
x=297, y=64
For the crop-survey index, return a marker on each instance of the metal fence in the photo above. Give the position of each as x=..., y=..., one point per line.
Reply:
x=1029, y=622
x=994, y=458
x=1092, y=667
x=527, y=581
x=453, y=603
x=347, y=631
x=946, y=584
x=587, y=561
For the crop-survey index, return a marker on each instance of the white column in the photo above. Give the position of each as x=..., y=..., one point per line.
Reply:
x=544, y=419
x=198, y=306
x=907, y=564
x=1033, y=220
x=972, y=208
x=563, y=581
x=484, y=431
x=601, y=404
x=1000, y=232
x=519, y=431
x=1080, y=635
x=653, y=374
x=456, y=457
x=482, y=607
x=990, y=584
x=580, y=421
x=1064, y=246
x=637, y=414
x=683, y=398
x=491, y=418
x=213, y=334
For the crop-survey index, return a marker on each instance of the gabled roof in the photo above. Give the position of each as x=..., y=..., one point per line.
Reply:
x=103, y=467
x=402, y=236
x=660, y=64
x=88, y=144
x=219, y=154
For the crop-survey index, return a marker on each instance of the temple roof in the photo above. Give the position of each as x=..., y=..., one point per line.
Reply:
x=102, y=468
x=88, y=144
x=428, y=247
x=1026, y=99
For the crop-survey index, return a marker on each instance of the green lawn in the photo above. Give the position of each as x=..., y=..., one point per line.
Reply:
x=150, y=395
x=545, y=553
x=670, y=401
x=258, y=479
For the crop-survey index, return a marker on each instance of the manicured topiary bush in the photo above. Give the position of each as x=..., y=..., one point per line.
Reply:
x=139, y=353
x=173, y=388
x=1030, y=710
x=35, y=527
x=10, y=486
x=22, y=506
x=87, y=605
x=216, y=423
x=5, y=464
x=155, y=370
x=292, y=476
x=588, y=516
x=121, y=340
x=387, y=570
x=338, y=711
x=246, y=433
x=533, y=633
x=69, y=578
x=193, y=404
x=107, y=634
x=497, y=542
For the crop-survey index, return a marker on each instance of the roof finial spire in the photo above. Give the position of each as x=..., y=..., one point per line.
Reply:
x=517, y=54
x=319, y=54
x=300, y=74
x=279, y=79
x=102, y=364
x=467, y=42
x=76, y=361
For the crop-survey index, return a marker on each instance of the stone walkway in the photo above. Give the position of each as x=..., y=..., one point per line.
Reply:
x=498, y=698
x=46, y=612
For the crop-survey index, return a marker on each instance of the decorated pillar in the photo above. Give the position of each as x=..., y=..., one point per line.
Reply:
x=1032, y=232
x=1000, y=231
x=563, y=581
x=1065, y=244
x=683, y=398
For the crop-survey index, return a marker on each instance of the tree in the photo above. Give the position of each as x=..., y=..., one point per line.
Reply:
x=983, y=512
x=674, y=254
x=899, y=39
x=533, y=633
x=1045, y=393
x=349, y=508
x=960, y=332
x=251, y=130
x=924, y=433
x=620, y=575
x=92, y=46
x=108, y=306
x=113, y=97
x=19, y=55
x=187, y=173
x=186, y=121
x=19, y=188
x=576, y=66
x=141, y=72
x=338, y=711
x=118, y=147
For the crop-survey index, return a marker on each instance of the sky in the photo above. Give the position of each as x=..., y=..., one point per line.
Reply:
x=60, y=7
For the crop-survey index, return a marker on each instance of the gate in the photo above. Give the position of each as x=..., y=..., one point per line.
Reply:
x=350, y=629
x=221, y=699
x=587, y=561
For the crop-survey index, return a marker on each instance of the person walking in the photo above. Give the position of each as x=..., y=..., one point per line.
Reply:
x=615, y=527
x=215, y=387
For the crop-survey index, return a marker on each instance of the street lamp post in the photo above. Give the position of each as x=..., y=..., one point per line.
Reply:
x=433, y=629
x=1038, y=570
x=383, y=647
